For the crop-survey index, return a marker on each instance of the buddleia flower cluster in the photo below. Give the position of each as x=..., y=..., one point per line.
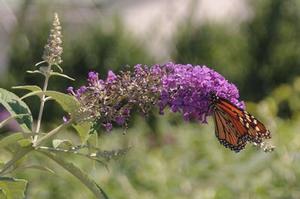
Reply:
x=187, y=89
x=182, y=88
x=112, y=100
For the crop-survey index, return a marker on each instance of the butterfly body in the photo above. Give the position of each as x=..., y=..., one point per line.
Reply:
x=235, y=127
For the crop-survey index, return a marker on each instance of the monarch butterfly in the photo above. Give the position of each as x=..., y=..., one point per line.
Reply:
x=235, y=127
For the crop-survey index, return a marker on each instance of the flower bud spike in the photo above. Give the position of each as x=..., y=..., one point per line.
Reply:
x=53, y=49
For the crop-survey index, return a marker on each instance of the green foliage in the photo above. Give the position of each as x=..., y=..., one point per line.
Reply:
x=62, y=143
x=74, y=170
x=67, y=102
x=11, y=139
x=83, y=129
x=169, y=159
x=62, y=75
x=28, y=87
x=15, y=106
x=216, y=46
x=258, y=56
x=11, y=188
x=185, y=160
x=94, y=47
x=19, y=145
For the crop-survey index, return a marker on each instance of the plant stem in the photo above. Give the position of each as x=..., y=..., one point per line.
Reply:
x=51, y=133
x=39, y=120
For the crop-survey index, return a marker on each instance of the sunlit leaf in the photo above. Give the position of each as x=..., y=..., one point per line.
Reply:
x=37, y=167
x=12, y=188
x=34, y=72
x=15, y=106
x=33, y=93
x=62, y=143
x=25, y=142
x=62, y=75
x=67, y=102
x=39, y=63
x=28, y=87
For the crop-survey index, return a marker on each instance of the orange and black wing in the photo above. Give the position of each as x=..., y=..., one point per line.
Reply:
x=229, y=132
x=236, y=127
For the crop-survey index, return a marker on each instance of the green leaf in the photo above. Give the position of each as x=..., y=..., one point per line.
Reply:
x=28, y=87
x=34, y=71
x=13, y=188
x=11, y=139
x=93, y=140
x=17, y=156
x=83, y=177
x=39, y=63
x=38, y=167
x=75, y=151
x=62, y=75
x=69, y=103
x=62, y=143
x=15, y=106
x=83, y=129
x=24, y=142
x=37, y=93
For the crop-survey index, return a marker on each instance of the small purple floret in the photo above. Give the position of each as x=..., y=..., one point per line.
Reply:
x=92, y=76
x=80, y=91
x=70, y=89
x=108, y=126
x=66, y=119
x=111, y=77
x=120, y=120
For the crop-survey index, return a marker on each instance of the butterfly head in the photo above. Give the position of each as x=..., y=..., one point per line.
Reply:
x=213, y=97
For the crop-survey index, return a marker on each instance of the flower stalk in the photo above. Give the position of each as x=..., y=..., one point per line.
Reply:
x=42, y=104
x=52, y=56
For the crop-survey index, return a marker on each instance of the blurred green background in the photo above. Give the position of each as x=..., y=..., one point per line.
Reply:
x=253, y=43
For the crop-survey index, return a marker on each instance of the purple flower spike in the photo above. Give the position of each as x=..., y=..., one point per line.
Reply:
x=182, y=88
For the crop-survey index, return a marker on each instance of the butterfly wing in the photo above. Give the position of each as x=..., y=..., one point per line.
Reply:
x=229, y=132
x=234, y=127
